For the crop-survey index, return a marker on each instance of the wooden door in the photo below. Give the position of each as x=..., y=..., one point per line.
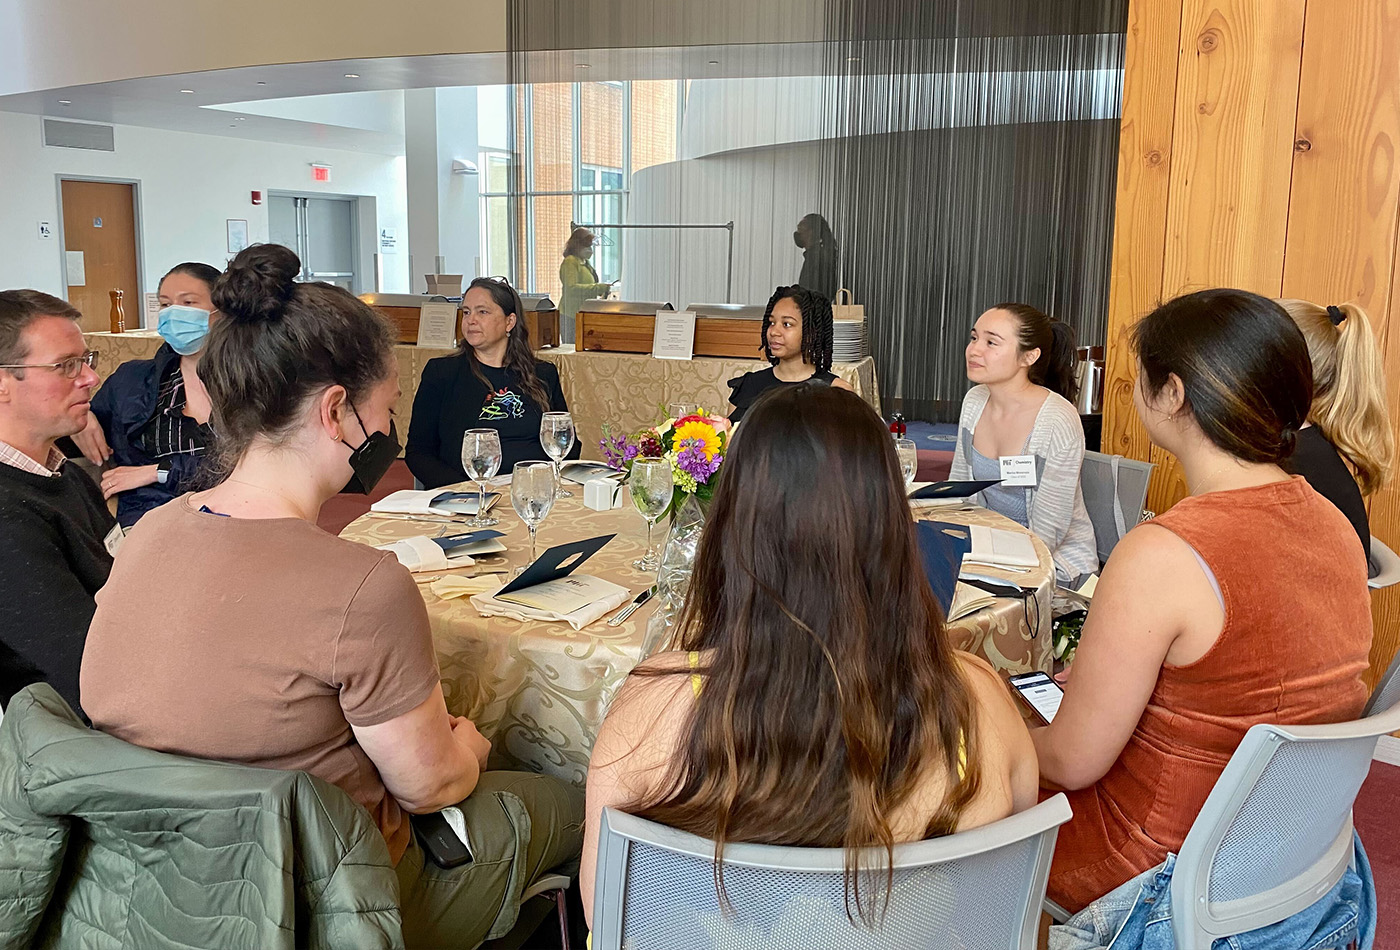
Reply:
x=99, y=222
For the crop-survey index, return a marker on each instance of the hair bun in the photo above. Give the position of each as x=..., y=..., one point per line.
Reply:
x=258, y=283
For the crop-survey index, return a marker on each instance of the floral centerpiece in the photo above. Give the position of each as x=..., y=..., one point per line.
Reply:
x=694, y=445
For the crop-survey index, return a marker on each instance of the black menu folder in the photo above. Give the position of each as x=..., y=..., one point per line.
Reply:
x=449, y=544
x=953, y=489
x=557, y=562
x=942, y=547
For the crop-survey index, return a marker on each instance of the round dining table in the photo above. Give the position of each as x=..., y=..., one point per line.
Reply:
x=539, y=689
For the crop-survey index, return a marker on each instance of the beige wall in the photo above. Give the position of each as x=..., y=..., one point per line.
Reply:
x=1260, y=149
x=47, y=44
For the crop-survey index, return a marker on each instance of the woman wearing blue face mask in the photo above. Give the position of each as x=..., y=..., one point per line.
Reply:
x=149, y=424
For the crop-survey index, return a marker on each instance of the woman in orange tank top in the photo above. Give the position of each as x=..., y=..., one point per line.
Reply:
x=1245, y=603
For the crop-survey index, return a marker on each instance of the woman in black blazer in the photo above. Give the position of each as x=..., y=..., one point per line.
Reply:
x=493, y=382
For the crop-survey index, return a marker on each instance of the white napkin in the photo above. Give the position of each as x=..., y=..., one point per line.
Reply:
x=998, y=547
x=487, y=605
x=409, y=502
x=421, y=553
x=453, y=586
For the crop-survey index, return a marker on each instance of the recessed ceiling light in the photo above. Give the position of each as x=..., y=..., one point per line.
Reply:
x=232, y=126
x=188, y=92
x=65, y=102
x=581, y=66
x=714, y=62
x=240, y=118
x=261, y=83
x=352, y=75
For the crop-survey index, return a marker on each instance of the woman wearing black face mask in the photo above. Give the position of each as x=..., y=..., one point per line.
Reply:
x=819, y=255
x=290, y=648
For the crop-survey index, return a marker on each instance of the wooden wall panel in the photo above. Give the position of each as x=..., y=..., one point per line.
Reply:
x=1342, y=227
x=1284, y=177
x=1232, y=150
x=1346, y=170
x=1139, y=225
x=1232, y=154
x=1385, y=504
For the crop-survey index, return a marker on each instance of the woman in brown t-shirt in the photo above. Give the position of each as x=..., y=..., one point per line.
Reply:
x=233, y=628
x=1245, y=603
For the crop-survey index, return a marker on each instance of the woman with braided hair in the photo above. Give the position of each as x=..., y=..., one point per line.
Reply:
x=797, y=341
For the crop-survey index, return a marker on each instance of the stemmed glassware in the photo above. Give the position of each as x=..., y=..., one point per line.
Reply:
x=481, y=458
x=532, y=495
x=678, y=410
x=908, y=454
x=652, y=484
x=557, y=438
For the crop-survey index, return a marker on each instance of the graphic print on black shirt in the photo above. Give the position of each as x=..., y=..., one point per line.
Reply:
x=502, y=404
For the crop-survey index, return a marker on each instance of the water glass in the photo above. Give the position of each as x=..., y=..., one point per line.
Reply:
x=557, y=438
x=481, y=459
x=532, y=495
x=652, y=485
x=908, y=454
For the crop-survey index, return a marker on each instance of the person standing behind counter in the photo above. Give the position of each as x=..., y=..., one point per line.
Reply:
x=579, y=280
x=493, y=382
x=1019, y=424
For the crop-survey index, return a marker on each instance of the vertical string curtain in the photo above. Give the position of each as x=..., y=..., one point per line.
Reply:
x=973, y=150
x=963, y=152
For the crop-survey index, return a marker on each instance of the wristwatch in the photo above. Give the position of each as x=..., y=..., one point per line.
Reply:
x=162, y=472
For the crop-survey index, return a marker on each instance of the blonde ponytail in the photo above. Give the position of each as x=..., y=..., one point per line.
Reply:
x=1349, y=403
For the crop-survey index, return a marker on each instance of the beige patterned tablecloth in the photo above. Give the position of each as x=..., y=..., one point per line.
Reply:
x=114, y=349
x=632, y=390
x=625, y=390
x=539, y=690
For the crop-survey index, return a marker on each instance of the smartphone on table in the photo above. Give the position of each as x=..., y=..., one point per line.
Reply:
x=443, y=837
x=1040, y=692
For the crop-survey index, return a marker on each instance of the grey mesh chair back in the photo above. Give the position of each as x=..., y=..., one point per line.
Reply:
x=1387, y=563
x=1114, y=489
x=1387, y=691
x=655, y=890
x=1275, y=834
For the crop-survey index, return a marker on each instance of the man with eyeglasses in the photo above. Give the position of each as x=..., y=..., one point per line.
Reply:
x=56, y=534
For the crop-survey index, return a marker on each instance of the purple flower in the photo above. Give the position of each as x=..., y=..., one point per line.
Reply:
x=618, y=452
x=692, y=460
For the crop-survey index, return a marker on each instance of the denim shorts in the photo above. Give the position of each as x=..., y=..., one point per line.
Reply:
x=1137, y=915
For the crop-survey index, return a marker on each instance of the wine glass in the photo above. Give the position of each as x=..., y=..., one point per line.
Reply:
x=481, y=458
x=532, y=495
x=652, y=485
x=678, y=410
x=908, y=454
x=557, y=438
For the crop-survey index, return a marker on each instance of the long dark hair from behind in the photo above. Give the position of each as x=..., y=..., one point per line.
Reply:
x=520, y=358
x=1054, y=368
x=280, y=343
x=1242, y=362
x=816, y=325
x=830, y=690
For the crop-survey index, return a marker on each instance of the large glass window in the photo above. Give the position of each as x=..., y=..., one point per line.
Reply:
x=556, y=154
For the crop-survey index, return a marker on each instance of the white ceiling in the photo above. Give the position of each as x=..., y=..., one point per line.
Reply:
x=271, y=103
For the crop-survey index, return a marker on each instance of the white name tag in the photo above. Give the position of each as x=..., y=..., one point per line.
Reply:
x=1018, y=471
x=114, y=539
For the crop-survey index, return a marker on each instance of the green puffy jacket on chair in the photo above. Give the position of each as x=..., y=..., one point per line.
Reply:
x=104, y=844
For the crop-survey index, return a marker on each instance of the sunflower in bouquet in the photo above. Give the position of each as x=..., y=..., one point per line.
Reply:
x=694, y=445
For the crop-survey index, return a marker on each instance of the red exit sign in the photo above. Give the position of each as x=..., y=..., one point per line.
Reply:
x=320, y=172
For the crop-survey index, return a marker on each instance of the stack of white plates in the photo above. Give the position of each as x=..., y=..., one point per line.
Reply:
x=849, y=341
